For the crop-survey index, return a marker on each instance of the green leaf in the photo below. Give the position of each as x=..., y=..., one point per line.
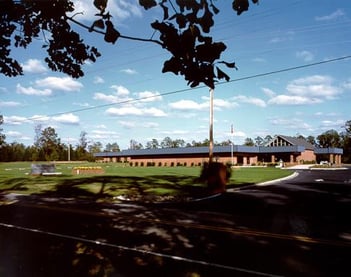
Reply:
x=100, y=5
x=215, y=9
x=240, y=6
x=111, y=34
x=172, y=65
x=148, y=4
x=229, y=65
x=98, y=23
x=165, y=11
x=222, y=75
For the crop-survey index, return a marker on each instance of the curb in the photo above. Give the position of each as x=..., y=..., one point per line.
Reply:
x=294, y=175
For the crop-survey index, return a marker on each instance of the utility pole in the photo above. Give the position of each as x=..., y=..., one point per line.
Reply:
x=211, y=127
x=69, y=151
x=232, y=144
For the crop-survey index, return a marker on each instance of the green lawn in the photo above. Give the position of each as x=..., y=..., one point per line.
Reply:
x=121, y=180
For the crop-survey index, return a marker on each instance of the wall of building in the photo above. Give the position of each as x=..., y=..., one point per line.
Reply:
x=307, y=155
x=237, y=159
x=242, y=159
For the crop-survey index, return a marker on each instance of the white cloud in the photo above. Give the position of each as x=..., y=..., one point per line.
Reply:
x=268, y=92
x=120, y=95
x=259, y=60
x=149, y=96
x=154, y=112
x=174, y=132
x=221, y=103
x=101, y=126
x=102, y=134
x=309, y=90
x=15, y=120
x=123, y=111
x=347, y=84
x=305, y=55
x=334, y=15
x=40, y=118
x=127, y=124
x=250, y=100
x=7, y=104
x=15, y=134
x=33, y=91
x=68, y=118
x=335, y=124
x=282, y=37
x=129, y=71
x=98, y=80
x=134, y=111
x=188, y=105
x=59, y=83
x=107, y=98
x=152, y=125
x=34, y=66
x=314, y=86
x=120, y=10
x=291, y=123
x=292, y=100
x=218, y=103
x=120, y=90
x=85, y=105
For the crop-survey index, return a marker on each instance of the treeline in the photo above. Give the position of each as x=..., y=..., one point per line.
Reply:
x=48, y=146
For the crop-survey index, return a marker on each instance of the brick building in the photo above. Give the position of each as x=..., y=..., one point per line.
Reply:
x=288, y=150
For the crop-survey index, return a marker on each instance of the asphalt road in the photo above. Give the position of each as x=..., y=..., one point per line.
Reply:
x=295, y=227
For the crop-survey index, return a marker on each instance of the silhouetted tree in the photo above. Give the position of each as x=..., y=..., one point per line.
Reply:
x=95, y=147
x=329, y=138
x=346, y=142
x=152, y=144
x=112, y=147
x=134, y=145
x=50, y=144
x=249, y=142
x=2, y=136
x=183, y=31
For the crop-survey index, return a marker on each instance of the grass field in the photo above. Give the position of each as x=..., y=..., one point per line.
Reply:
x=118, y=180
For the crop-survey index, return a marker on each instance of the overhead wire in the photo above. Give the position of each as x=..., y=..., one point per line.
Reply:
x=222, y=26
x=191, y=89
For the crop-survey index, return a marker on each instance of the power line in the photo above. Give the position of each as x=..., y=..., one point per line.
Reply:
x=199, y=87
x=288, y=69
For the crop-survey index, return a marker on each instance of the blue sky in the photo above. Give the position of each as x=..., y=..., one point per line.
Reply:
x=113, y=102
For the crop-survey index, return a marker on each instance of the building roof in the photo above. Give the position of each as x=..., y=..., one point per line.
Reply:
x=286, y=145
x=291, y=141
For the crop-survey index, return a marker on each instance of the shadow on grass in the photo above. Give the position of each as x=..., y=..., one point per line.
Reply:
x=148, y=188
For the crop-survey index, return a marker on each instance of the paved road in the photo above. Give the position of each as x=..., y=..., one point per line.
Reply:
x=296, y=227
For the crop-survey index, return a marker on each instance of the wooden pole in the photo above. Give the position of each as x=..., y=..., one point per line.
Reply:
x=211, y=127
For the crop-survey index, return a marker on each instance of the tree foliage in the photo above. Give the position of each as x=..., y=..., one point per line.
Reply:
x=249, y=142
x=2, y=136
x=50, y=143
x=184, y=32
x=330, y=138
x=112, y=147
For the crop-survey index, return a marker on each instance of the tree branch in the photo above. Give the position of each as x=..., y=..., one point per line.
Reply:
x=121, y=36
